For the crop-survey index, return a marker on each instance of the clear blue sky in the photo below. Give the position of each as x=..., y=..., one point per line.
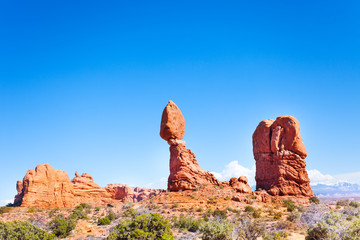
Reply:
x=83, y=83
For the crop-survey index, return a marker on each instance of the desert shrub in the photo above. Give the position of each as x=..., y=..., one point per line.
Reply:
x=277, y=215
x=144, y=226
x=32, y=209
x=5, y=209
x=62, y=227
x=318, y=232
x=78, y=214
x=128, y=205
x=342, y=203
x=293, y=216
x=220, y=213
x=257, y=213
x=187, y=223
x=314, y=200
x=97, y=209
x=313, y=214
x=19, y=230
x=281, y=235
x=130, y=212
x=334, y=224
x=249, y=229
x=249, y=209
x=211, y=201
x=233, y=210
x=217, y=229
x=104, y=221
x=354, y=204
x=290, y=205
x=111, y=215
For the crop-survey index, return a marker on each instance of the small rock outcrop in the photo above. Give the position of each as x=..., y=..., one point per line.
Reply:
x=46, y=187
x=185, y=172
x=240, y=184
x=131, y=194
x=280, y=155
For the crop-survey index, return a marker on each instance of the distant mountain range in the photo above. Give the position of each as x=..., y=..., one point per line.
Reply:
x=342, y=189
x=338, y=190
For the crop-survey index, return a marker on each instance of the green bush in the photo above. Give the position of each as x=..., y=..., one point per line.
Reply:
x=293, y=216
x=354, y=204
x=249, y=209
x=83, y=206
x=130, y=212
x=111, y=216
x=342, y=203
x=187, y=223
x=21, y=230
x=62, y=227
x=80, y=212
x=104, y=221
x=220, y=213
x=290, y=205
x=144, y=226
x=320, y=231
x=314, y=200
x=256, y=213
x=278, y=215
x=282, y=235
x=217, y=229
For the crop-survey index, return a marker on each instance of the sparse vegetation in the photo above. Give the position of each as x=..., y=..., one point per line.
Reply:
x=290, y=205
x=187, y=223
x=217, y=229
x=144, y=226
x=314, y=200
x=104, y=221
x=62, y=227
x=5, y=209
x=21, y=230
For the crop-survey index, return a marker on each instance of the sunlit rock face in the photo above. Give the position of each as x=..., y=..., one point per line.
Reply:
x=46, y=187
x=280, y=155
x=185, y=172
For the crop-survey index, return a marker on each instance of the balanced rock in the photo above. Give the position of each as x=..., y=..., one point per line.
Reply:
x=280, y=158
x=185, y=172
x=172, y=123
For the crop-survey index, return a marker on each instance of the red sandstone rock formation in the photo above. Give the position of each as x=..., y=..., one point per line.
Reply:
x=131, y=194
x=46, y=187
x=172, y=122
x=240, y=184
x=279, y=153
x=185, y=172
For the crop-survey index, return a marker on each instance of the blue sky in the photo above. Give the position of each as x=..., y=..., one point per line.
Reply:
x=83, y=85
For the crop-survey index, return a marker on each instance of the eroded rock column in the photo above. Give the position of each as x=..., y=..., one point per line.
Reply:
x=185, y=172
x=280, y=155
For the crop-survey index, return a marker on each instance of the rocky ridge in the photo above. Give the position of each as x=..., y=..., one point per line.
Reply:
x=46, y=187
